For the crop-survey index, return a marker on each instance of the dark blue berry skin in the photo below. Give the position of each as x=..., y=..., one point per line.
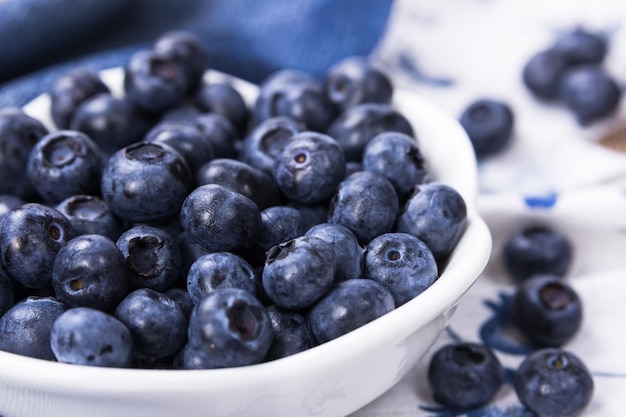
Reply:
x=185, y=113
x=436, y=214
x=69, y=91
x=221, y=133
x=7, y=297
x=279, y=224
x=291, y=333
x=242, y=178
x=580, y=46
x=553, y=382
x=156, y=323
x=357, y=125
x=218, y=219
x=537, y=250
x=9, y=202
x=355, y=80
x=299, y=272
x=365, y=203
x=229, y=328
x=219, y=270
x=85, y=336
x=348, y=306
x=265, y=141
x=590, y=92
x=222, y=98
x=395, y=156
x=348, y=251
x=90, y=271
x=90, y=215
x=146, y=181
x=465, y=375
x=183, y=299
x=187, y=50
x=18, y=135
x=543, y=72
x=402, y=263
x=154, y=82
x=547, y=310
x=65, y=163
x=309, y=168
x=312, y=215
x=152, y=256
x=489, y=125
x=297, y=95
x=30, y=237
x=189, y=252
x=25, y=327
x=186, y=139
x=111, y=122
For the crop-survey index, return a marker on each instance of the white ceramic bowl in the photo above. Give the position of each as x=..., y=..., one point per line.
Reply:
x=330, y=380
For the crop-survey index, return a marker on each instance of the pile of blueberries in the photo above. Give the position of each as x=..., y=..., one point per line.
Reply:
x=547, y=312
x=177, y=227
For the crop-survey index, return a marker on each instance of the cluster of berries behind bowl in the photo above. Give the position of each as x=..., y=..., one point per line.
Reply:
x=178, y=226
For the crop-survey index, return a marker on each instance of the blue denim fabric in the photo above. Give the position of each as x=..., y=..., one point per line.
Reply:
x=40, y=39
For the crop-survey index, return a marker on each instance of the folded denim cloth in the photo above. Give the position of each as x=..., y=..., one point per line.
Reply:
x=39, y=39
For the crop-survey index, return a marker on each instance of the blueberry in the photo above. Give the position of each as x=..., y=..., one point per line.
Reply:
x=395, y=156
x=348, y=306
x=465, y=375
x=111, y=122
x=309, y=168
x=218, y=219
x=553, y=382
x=84, y=336
x=547, y=310
x=312, y=215
x=146, y=181
x=355, y=80
x=90, y=271
x=291, y=333
x=185, y=113
x=581, y=46
x=299, y=272
x=402, y=263
x=30, y=237
x=70, y=91
x=155, y=81
x=279, y=224
x=155, y=321
x=543, y=72
x=436, y=214
x=25, y=327
x=357, y=125
x=152, y=256
x=219, y=270
x=89, y=214
x=365, y=203
x=265, y=141
x=243, y=178
x=228, y=328
x=65, y=163
x=183, y=299
x=590, y=92
x=189, y=252
x=19, y=133
x=221, y=133
x=9, y=202
x=537, y=250
x=489, y=125
x=222, y=98
x=348, y=251
x=7, y=296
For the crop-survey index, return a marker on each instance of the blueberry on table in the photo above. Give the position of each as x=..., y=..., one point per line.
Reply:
x=402, y=263
x=65, y=163
x=348, y=306
x=537, y=250
x=309, y=168
x=547, y=310
x=291, y=333
x=465, y=375
x=90, y=271
x=543, y=72
x=265, y=141
x=489, y=125
x=30, y=237
x=146, y=181
x=553, y=382
x=222, y=98
x=581, y=46
x=89, y=214
x=152, y=256
x=85, y=336
x=299, y=272
x=228, y=328
x=348, y=250
x=218, y=219
x=25, y=328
